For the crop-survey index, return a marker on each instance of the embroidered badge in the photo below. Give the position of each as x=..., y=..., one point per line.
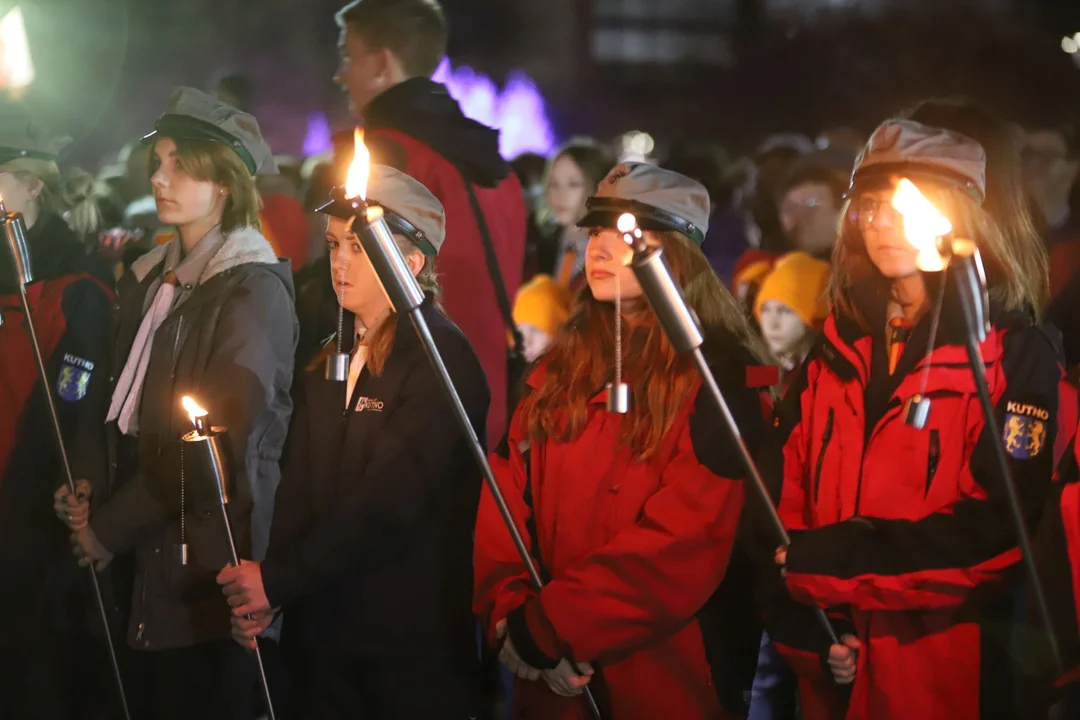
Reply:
x=369, y=405
x=617, y=176
x=74, y=378
x=1024, y=432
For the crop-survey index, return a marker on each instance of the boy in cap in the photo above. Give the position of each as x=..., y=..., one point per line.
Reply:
x=44, y=608
x=208, y=315
x=370, y=549
x=631, y=519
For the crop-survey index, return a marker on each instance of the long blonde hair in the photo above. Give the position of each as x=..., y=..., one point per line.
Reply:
x=580, y=360
x=71, y=198
x=1017, y=269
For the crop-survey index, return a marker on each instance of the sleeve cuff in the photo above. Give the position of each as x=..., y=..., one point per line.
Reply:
x=275, y=582
x=533, y=635
x=111, y=537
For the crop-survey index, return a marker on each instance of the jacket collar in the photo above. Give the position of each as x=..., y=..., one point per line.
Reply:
x=846, y=346
x=242, y=246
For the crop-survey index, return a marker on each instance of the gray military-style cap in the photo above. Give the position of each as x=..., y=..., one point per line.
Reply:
x=193, y=115
x=660, y=200
x=905, y=148
x=22, y=137
x=410, y=208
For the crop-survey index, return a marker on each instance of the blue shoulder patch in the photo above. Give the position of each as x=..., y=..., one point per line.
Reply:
x=74, y=378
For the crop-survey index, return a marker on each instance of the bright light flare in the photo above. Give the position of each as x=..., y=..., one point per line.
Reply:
x=924, y=225
x=357, y=180
x=194, y=411
x=16, y=67
x=626, y=223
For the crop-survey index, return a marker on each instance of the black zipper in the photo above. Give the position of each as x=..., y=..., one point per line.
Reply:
x=825, y=438
x=932, y=458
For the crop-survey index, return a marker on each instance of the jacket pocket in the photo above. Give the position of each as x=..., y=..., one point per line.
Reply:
x=826, y=436
x=933, y=456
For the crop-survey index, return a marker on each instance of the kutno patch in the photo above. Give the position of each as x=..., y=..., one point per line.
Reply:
x=1024, y=431
x=74, y=378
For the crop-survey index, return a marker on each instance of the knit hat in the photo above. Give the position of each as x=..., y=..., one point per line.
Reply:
x=800, y=282
x=904, y=148
x=751, y=267
x=542, y=303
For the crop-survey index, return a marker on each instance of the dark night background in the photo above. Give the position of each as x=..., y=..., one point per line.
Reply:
x=733, y=70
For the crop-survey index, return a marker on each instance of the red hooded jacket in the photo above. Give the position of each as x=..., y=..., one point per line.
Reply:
x=417, y=128
x=906, y=531
x=639, y=555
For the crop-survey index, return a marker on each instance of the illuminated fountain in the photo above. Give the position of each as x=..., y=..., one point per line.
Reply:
x=517, y=111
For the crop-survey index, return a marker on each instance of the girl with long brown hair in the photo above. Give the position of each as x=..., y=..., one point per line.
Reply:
x=631, y=517
x=901, y=528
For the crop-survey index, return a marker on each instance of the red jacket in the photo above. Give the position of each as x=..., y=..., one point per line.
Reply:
x=1057, y=552
x=904, y=530
x=417, y=128
x=635, y=552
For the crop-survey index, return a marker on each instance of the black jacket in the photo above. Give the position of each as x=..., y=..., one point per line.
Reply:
x=371, y=545
x=72, y=315
x=230, y=345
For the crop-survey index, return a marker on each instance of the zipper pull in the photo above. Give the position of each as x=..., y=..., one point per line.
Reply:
x=139, y=632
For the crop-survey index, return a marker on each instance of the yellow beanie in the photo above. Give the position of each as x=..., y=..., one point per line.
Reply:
x=542, y=303
x=802, y=283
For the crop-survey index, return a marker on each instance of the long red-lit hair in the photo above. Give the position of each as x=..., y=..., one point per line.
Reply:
x=581, y=360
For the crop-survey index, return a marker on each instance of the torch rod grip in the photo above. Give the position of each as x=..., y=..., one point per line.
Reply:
x=758, y=483
x=263, y=682
x=50, y=402
x=1015, y=508
x=462, y=418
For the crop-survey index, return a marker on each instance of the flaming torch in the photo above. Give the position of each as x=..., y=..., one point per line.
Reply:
x=930, y=233
x=16, y=247
x=405, y=295
x=212, y=458
x=684, y=332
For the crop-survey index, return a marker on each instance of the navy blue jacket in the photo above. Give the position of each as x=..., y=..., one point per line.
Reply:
x=371, y=543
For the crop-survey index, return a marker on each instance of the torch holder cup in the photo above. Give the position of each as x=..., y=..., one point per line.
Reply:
x=675, y=315
x=15, y=237
x=389, y=264
x=207, y=455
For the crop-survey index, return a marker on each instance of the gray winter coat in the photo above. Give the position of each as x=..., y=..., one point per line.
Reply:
x=230, y=344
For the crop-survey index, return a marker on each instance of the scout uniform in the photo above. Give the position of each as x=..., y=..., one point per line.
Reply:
x=216, y=323
x=43, y=606
x=646, y=578
x=371, y=543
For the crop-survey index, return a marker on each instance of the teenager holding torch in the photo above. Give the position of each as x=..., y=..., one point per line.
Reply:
x=900, y=518
x=209, y=315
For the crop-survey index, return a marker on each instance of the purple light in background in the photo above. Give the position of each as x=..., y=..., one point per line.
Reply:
x=317, y=141
x=518, y=111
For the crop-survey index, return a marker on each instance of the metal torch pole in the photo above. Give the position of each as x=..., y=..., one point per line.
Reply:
x=406, y=297
x=972, y=289
x=15, y=235
x=685, y=334
x=219, y=472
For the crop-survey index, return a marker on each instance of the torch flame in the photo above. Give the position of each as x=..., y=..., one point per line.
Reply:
x=193, y=409
x=357, y=179
x=923, y=225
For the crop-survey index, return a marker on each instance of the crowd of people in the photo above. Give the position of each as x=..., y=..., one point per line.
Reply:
x=378, y=578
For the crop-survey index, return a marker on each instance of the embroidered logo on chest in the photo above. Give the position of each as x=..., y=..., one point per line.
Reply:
x=1024, y=431
x=366, y=404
